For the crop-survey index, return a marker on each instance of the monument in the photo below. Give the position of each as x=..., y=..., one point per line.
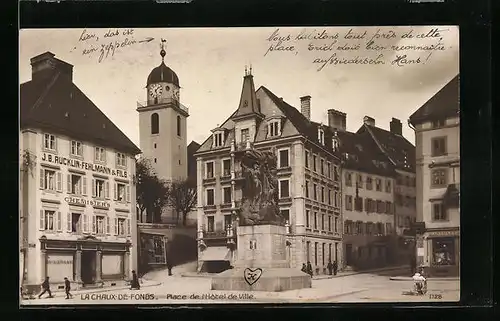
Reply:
x=261, y=263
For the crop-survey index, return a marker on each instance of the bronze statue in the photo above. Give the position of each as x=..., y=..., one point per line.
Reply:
x=260, y=189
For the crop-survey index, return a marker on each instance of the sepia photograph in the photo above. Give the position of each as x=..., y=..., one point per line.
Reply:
x=239, y=165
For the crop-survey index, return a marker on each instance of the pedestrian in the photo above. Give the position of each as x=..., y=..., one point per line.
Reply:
x=309, y=268
x=329, y=267
x=335, y=267
x=67, y=288
x=46, y=288
x=134, y=284
x=169, y=267
x=304, y=268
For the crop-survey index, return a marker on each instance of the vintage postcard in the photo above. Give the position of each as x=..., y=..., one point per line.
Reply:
x=239, y=165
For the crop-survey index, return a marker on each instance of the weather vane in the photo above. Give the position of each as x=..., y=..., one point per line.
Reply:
x=162, y=51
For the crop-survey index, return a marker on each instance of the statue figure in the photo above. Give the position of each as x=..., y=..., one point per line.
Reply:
x=260, y=189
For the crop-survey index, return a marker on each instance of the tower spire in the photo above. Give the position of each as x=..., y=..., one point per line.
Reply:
x=163, y=53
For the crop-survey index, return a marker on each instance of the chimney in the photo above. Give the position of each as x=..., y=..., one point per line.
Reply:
x=45, y=66
x=367, y=120
x=337, y=120
x=305, y=106
x=396, y=126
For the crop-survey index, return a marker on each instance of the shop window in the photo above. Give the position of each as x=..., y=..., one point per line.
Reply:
x=443, y=250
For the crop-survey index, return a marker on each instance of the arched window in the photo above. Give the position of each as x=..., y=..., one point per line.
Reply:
x=178, y=125
x=155, y=124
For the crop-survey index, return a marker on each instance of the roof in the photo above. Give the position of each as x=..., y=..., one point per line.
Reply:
x=192, y=148
x=445, y=103
x=397, y=149
x=56, y=104
x=362, y=155
x=248, y=100
x=162, y=73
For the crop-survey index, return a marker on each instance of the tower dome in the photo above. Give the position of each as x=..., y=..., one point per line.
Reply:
x=162, y=73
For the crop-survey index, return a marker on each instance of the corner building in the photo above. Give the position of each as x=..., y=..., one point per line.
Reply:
x=308, y=180
x=77, y=193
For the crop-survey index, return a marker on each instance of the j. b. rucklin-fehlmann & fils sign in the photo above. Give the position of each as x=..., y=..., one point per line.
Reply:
x=56, y=159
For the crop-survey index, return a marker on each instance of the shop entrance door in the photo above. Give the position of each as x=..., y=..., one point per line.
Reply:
x=88, y=267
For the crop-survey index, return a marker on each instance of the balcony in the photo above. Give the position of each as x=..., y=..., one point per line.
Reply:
x=168, y=102
x=230, y=233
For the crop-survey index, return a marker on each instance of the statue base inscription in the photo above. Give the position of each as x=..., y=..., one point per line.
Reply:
x=262, y=263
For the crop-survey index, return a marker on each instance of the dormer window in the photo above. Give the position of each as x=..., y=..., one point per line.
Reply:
x=218, y=139
x=274, y=128
x=335, y=144
x=321, y=136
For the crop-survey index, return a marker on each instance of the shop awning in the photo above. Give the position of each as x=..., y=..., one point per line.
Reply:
x=216, y=253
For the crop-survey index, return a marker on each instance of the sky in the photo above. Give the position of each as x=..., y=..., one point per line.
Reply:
x=210, y=64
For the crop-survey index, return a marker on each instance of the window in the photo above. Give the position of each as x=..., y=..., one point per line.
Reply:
x=369, y=185
x=76, y=148
x=358, y=204
x=314, y=162
x=308, y=248
x=228, y=221
x=329, y=197
x=388, y=186
x=209, y=170
x=348, y=202
x=348, y=227
x=438, y=212
x=348, y=179
x=98, y=224
x=388, y=228
x=443, y=251
x=210, y=223
x=328, y=169
x=307, y=188
x=50, y=180
x=49, y=142
x=77, y=184
x=323, y=253
x=329, y=223
x=307, y=219
x=438, y=146
x=227, y=195
x=315, y=192
x=155, y=123
x=336, y=174
x=321, y=136
x=178, y=125
x=307, y=159
x=218, y=139
x=284, y=188
x=315, y=217
x=323, y=222
x=245, y=135
x=359, y=180
x=438, y=123
x=50, y=220
x=121, y=160
x=122, y=192
x=75, y=223
x=316, y=253
x=121, y=224
x=336, y=199
x=438, y=178
x=378, y=184
x=285, y=213
x=336, y=224
x=226, y=167
x=388, y=207
x=100, y=188
x=322, y=166
x=274, y=128
x=210, y=197
x=283, y=158
x=359, y=228
x=100, y=154
x=322, y=194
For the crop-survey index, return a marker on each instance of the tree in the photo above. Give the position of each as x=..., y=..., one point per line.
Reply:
x=182, y=197
x=152, y=193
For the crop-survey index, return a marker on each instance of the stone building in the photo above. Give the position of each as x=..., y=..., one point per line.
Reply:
x=308, y=180
x=437, y=132
x=76, y=184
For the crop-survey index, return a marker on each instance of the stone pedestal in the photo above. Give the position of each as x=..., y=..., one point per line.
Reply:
x=262, y=247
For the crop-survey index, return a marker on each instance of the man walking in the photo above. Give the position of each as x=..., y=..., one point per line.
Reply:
x=309, y=269
x=330, y=267
x=169, y=267
x=67, y=288
x=46, y=288
x=335, y=267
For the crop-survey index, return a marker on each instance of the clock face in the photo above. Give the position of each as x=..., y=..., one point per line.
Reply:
x=155, y=90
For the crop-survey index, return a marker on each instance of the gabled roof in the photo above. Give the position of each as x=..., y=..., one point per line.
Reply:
x=397, y=149
x=56, y=104
x=445, y=103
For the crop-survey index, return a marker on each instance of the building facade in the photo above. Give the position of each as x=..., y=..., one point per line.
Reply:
x=77, y=184
x=308, y=180
x=437, y=131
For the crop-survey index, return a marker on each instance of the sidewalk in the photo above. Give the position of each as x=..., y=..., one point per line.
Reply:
x=409, y=278
x=348, y=273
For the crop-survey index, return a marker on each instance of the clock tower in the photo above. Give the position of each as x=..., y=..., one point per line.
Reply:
x=162, y=123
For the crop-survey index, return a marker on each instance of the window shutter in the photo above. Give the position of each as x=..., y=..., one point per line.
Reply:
x=42, y=185
x=127, y=194
x=70, y=148
x=116, y=226
x=106, y=189
x=59, y=221
x=116, y=159
x=93, y=187
x=104, y=155
x=68, y=222
x=55, y=143
x=59, y=182
x=94, y=224
x=84, y=185
x=69, y=183
x=115, y=194
x=42, y=220
x=128, y=226
x=107, y=225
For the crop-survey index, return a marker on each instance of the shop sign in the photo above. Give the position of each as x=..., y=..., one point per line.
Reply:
x=61, y=160
x=83, y=201
x=444, y=233
x=60, y=262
